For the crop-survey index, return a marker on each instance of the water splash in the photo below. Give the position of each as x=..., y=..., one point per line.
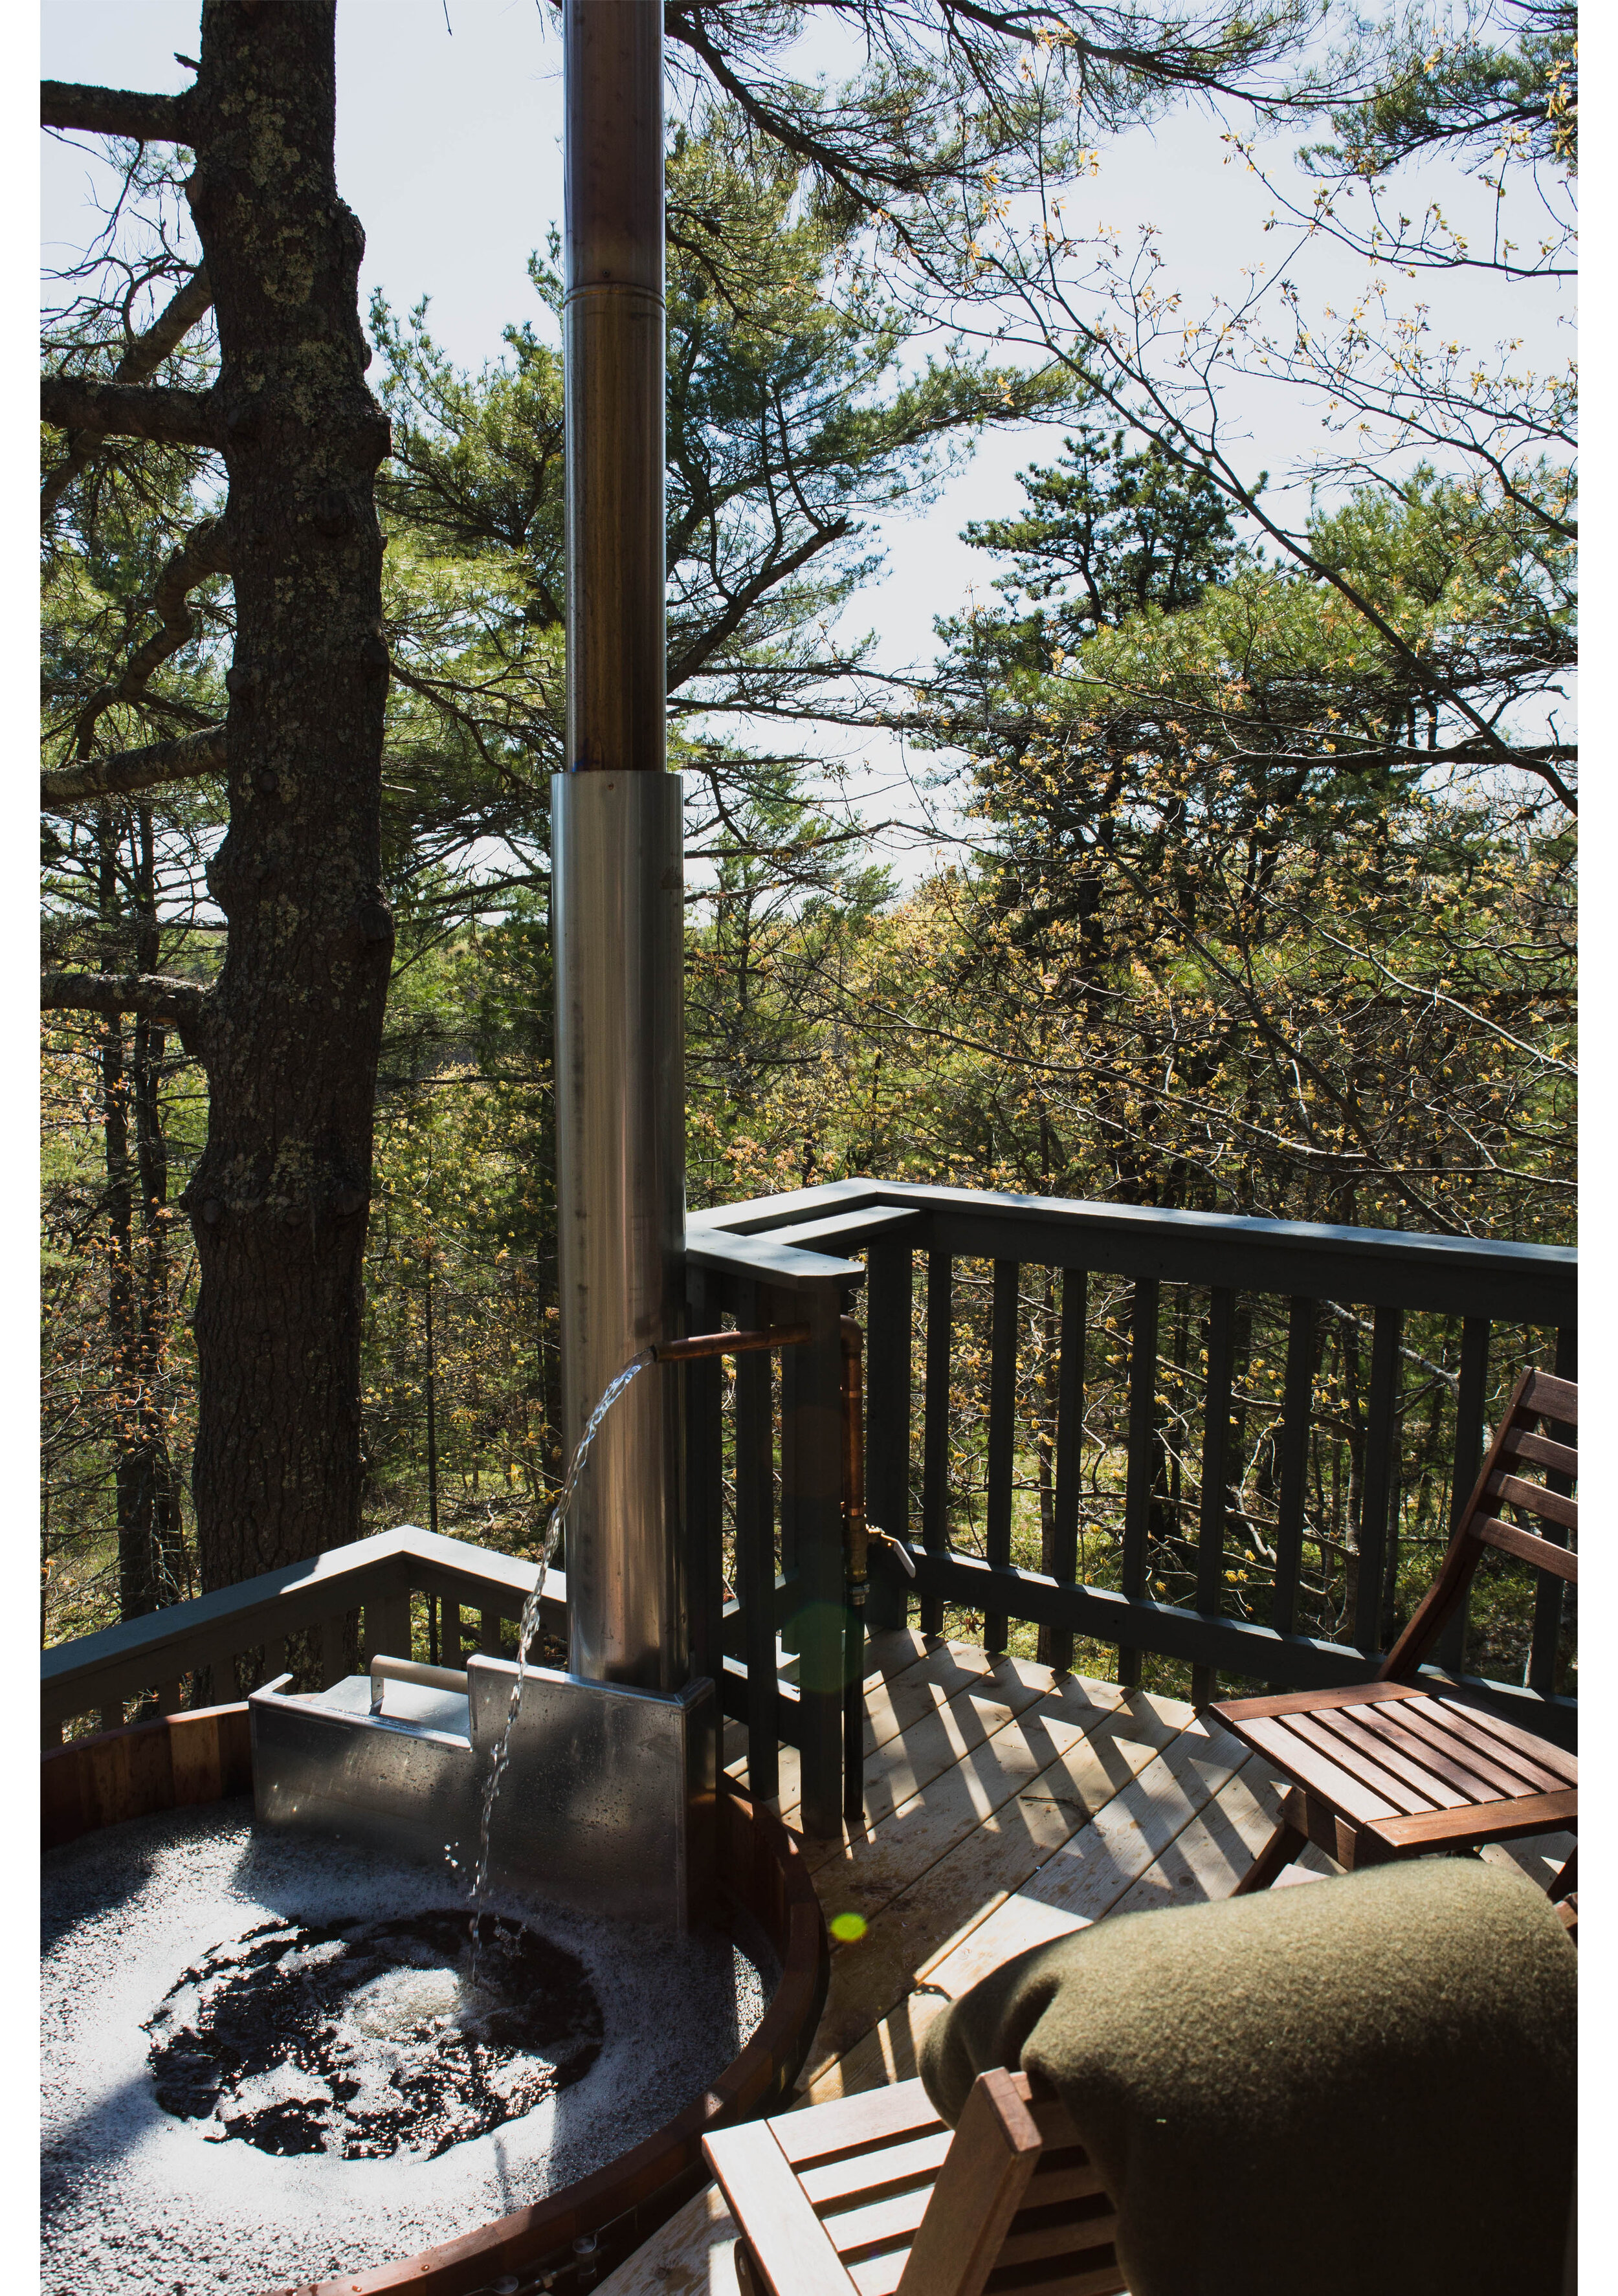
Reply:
x=529, y=1624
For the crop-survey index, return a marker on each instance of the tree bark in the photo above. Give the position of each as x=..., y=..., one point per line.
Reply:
x=278, y=1200
x=289, y=1034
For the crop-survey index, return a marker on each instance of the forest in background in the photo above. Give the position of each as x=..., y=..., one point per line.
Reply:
x=1262, y=894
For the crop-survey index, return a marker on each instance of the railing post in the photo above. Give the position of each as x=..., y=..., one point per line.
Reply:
x=1140, y=1462
x=811, y=1379
x=935, y=1425
x=1381, y=1478
x=756, y=1544
x=704, y=1504
x=1471, y=1395
x=1002, y=1435
x=1295, y=1403
x=1070, y=1440
x=888, y=1401
x=1215, y=1479
x=1552, y=1595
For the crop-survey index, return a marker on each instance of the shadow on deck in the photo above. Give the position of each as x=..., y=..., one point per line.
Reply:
x=1004, y=1805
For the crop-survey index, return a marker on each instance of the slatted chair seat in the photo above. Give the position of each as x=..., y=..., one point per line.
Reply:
x=1390, y=1769
x=875, y=2195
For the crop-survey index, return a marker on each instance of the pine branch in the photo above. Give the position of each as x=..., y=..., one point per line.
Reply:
x=127, y=773
x=181, y=1006
x=122, y=410
x=115, y=111
x=202, y=554
x=144, y=357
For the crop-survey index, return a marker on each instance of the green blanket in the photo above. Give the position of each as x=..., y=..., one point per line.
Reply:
x=1356, y=2087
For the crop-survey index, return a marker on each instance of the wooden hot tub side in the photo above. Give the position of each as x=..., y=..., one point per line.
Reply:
x=183, y=1760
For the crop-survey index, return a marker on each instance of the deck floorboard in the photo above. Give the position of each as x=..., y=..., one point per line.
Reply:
x=1004, y=1805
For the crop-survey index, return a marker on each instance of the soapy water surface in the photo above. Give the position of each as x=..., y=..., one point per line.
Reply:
x=364, y=2038
x=156, y=1934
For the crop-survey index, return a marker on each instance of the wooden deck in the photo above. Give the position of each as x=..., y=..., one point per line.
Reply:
x=1004, y=1805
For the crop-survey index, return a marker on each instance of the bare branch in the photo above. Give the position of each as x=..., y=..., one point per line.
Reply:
x=202, y=554
x=181, y=1006
x=122, y=410
x=127, y=773
x=144, y=357
x=115, y=111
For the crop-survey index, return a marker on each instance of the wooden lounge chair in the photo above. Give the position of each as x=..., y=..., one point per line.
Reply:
x=875, y=2195
x=1389, y=1768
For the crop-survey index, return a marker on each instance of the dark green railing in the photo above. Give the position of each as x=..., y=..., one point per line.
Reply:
x=776, y=1258
x=764, y=1477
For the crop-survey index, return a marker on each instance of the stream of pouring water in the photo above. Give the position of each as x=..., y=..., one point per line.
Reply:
x=528, y=1627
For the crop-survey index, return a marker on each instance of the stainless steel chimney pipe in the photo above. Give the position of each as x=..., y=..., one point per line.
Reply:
x=617, y=880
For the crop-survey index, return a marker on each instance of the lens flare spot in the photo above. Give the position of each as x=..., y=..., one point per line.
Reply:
x=848, y=1929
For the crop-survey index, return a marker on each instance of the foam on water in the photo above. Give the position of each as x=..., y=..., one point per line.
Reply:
x=138, y=2202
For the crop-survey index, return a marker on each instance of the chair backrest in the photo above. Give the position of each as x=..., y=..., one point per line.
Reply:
x=1048, y=2218
x=875, y=2195
x=1516, y=1455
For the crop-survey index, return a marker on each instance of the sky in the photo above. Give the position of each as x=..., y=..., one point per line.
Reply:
x=449, y=150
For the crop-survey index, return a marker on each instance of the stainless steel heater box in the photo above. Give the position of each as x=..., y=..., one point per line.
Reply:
x=607, y=1806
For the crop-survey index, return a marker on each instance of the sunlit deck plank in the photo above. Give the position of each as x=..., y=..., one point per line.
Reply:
x=1006, y=1806
x=939, y=1864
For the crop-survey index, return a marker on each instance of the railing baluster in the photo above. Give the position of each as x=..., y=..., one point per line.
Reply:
x=449, y=1633
x=220, y=1667
x=1215, y=1478
x=889, y=1277
x=1297, y=1397
x=1471, y=1399
x=756, y=1550
x=333, y=1655
x=1137, y=1484
x=1002, y=1432
x=1550, y=1592
x=705, y=1491
x=1070, y=1438
x=811, y=1410
x=935, y=1424
x=388, y=1622
x=1377, y=1501
x=275, y=1660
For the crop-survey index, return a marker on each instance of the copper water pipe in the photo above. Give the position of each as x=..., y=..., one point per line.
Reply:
x=728, y=1343
x=701, y=1345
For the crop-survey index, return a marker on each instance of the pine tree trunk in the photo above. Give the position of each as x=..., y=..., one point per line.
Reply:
x=279, y=1198
x=144, y=1498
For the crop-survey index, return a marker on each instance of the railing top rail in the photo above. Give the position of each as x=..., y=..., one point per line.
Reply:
x=1530, y=1281
x=768, y=1259
x=343, y=1570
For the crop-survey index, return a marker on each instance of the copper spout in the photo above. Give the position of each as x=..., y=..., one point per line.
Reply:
x=728, y=1343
